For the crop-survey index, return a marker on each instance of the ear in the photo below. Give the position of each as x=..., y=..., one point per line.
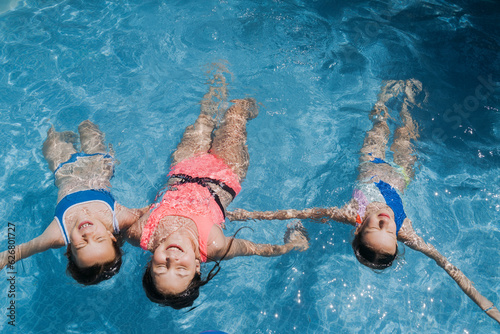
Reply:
x=358, y=229
x=111, y=235
x=198, y=267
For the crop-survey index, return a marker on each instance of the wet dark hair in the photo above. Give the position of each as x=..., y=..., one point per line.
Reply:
x=177, y=301
x=187, y=297
x=369, y=257
x=97, y=273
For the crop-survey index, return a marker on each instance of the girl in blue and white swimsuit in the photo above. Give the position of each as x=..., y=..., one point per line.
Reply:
x=87, y=219
x=376, y=208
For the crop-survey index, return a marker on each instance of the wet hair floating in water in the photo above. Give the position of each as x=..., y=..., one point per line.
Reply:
x=369, y=257
x=97, y=273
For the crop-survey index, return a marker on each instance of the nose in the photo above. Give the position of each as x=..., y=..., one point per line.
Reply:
x=87, y=233
x=382, y=223
x=169, y=258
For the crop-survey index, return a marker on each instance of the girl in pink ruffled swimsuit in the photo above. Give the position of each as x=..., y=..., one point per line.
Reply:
x=184, y=229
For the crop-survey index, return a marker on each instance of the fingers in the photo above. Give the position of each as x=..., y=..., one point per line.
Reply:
x=296, y=235
x=3, y=259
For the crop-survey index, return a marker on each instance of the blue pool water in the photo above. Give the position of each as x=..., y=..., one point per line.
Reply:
x=138, y=69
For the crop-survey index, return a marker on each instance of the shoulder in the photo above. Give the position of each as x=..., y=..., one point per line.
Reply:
x=217, y=242
x=127, y=217
x=134, y=233
x=52, y=235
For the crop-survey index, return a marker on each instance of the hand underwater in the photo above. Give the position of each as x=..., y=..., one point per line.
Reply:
x=296, y=235
x=4, y=259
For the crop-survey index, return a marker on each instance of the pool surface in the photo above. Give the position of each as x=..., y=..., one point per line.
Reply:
x=139, y=69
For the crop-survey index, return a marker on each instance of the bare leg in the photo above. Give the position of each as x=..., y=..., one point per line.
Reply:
x=402, y=146
x=197, y=138
x=229, y=143
x=376, y=139
x=58, y=147
x=91, y=138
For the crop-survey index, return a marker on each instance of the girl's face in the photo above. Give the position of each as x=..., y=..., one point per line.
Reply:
x=378, y=230
x=91, y=243
x=174, y=264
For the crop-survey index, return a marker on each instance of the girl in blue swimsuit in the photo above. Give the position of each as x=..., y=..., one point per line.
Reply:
x=87, y=219
x=376, y=208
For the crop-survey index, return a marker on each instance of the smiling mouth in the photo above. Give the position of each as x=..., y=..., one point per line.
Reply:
x=384, y=215
x=175, y=247
x=84, y=225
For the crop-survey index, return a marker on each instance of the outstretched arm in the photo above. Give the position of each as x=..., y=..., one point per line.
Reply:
x=346, y=214
x=50, y=238
x=242, y=247
x=296, y=238
x=409, y=237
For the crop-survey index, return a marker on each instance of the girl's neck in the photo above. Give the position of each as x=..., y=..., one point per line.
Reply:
x=175, y=224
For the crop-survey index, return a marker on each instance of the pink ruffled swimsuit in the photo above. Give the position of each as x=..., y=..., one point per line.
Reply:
x=192, y=198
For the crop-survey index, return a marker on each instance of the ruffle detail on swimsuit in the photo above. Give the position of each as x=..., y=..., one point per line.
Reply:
x=189, y=200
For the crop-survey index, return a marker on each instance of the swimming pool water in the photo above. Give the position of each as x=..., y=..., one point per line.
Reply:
x=139, y=69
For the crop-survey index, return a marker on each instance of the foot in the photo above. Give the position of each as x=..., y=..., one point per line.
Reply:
x=250, y=105
x=413, y=87
x=391, y=89
x=210, y=103
x=379, y=113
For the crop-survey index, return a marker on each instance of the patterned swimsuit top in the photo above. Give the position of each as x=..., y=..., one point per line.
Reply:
x=368, y=191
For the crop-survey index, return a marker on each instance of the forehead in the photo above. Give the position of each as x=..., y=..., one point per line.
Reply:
x=95, y=248
x=171, y=284
x=380, y=241
x=89, y=256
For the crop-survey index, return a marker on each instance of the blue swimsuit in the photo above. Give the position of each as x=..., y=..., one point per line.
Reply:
x=368, y=192
x=80, y=197
x=74, y=157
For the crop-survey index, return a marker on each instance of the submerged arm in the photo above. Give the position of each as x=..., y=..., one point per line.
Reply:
x=50, y=238
x=295, y=238
x=409, y=237
x=242, y=247
x=346, y=214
